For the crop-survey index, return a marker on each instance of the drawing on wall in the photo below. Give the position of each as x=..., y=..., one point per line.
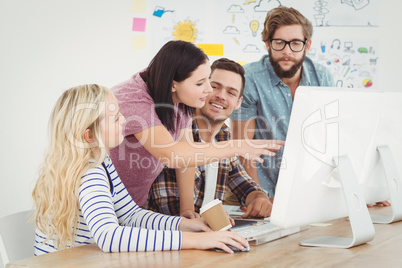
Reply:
x=356, y=13
x=185, y=31
x=159, y=11
x=241, y=23
x=174, y=20
x=352, y=62
x=357, y=4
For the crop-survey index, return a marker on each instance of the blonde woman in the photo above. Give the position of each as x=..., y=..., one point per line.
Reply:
x=80, y=199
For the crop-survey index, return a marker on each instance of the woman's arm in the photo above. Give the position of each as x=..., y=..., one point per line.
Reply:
x=104, y=216
x=246, y=130
x=181, y=154
x=219, y=239
x=117, y=224
x=185, y=182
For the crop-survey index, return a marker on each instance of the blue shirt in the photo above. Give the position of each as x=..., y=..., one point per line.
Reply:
x=269, y=101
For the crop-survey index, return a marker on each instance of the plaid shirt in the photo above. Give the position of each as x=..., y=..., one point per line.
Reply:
x=164, y=194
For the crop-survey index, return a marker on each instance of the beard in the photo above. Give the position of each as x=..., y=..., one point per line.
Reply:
x=289, y=73
x=212, y=120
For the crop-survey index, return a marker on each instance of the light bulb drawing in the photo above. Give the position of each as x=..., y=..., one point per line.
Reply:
x=254, y=25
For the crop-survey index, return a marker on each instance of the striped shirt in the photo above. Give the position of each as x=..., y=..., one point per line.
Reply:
x=111, y=219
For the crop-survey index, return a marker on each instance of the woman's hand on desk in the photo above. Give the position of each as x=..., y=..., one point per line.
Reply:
x=219, y=239
x=189, y=214
x=193, y=222
x=194, y=225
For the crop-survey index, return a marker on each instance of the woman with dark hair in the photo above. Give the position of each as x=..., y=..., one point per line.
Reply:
x=158, y=103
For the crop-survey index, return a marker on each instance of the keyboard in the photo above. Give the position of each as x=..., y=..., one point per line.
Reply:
x=250, y=232
x=264, y=232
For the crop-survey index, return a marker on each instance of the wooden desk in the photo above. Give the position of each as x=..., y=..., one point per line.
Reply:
x=383, y=251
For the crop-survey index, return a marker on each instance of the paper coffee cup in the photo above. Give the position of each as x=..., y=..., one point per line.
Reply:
x=215, y=215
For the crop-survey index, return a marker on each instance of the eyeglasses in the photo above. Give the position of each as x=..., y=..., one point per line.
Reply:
x=294, y=45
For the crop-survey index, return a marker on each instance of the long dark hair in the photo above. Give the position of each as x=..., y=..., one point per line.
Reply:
x=176, y=60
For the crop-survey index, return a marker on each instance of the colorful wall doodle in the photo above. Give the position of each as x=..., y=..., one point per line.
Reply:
x=238, y=25
x=177, y=20
x=352, y=62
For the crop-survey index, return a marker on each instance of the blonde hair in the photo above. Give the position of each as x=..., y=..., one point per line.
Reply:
x=55, y=194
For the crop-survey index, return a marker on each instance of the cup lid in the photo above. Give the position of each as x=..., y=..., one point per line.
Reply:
x=209, y=205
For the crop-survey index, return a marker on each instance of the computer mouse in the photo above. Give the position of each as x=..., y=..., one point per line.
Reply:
x=235, y=249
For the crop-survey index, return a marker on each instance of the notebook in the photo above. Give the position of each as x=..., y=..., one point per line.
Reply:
x=258, y=231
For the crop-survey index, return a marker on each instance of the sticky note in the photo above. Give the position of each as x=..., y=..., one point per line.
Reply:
x=138, y=6
x=139, y=24
x=212, y=49
x=139, y=42
x=242, y=62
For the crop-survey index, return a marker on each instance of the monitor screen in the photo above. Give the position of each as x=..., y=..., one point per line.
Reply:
x=329, y=127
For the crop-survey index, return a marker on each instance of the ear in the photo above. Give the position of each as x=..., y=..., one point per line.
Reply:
x=238, y=103
x=174, y=86
x=88, y=136
x=308, y=45
x=267, y=45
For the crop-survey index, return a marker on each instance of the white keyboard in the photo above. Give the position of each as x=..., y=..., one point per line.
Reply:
x=255, y=231
x=264, y=232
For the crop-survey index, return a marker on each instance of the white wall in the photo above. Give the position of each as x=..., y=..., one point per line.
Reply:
x=48, y=46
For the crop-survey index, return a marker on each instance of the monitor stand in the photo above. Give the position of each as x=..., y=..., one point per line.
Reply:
x=359, y=217
x=394, y=187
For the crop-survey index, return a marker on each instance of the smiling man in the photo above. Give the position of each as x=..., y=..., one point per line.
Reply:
x=218, y=179
x=271, y=84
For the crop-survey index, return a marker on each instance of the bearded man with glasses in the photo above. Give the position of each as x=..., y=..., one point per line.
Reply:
x=271, y=84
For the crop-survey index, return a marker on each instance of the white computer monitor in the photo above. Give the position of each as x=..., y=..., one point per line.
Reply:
x=328, y=157
x=384, y=168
